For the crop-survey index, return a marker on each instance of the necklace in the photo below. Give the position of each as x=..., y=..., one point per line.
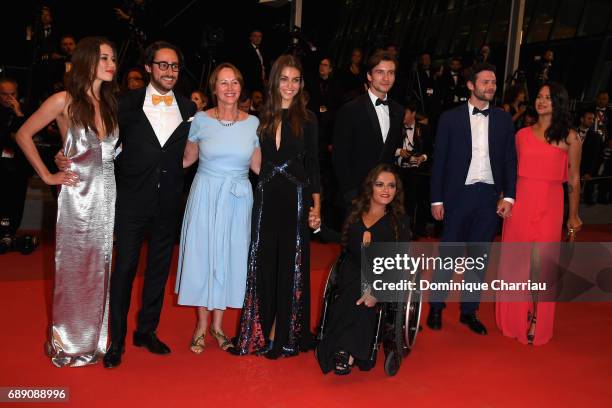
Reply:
x=225, y=122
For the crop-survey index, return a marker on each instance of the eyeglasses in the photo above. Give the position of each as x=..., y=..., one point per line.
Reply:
x=163, y=65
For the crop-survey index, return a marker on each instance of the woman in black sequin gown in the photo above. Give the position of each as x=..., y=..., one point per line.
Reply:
x=276, y=313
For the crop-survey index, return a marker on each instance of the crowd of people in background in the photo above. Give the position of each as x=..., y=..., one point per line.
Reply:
x=307, y=141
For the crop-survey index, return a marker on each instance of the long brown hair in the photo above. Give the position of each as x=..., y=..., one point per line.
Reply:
x=271, y=112
x=79, y=82
x=361, y=204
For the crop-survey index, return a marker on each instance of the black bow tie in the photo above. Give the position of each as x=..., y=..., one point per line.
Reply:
x=381, y=102
x=476, y=111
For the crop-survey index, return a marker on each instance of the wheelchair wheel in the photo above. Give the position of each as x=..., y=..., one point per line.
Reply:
x=392, y=362
x=412, y=318
x=328, y=294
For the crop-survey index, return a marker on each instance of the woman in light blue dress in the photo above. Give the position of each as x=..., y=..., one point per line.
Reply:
x=216, y=228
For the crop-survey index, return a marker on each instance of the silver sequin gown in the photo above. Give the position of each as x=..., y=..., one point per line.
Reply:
x=83, y=254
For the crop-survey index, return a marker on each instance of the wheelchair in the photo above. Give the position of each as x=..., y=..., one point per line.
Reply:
x=397, y=322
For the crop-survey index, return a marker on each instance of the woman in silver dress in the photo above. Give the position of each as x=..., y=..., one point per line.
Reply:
x=86, y=114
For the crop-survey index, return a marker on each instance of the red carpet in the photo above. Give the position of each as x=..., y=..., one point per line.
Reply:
x=449, y=368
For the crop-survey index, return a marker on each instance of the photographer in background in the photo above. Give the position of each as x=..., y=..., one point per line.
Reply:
x=452, y=85
x=14, y=169
x=414, y=160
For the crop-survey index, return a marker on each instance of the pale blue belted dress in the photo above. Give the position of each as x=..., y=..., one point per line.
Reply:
x=216, y=229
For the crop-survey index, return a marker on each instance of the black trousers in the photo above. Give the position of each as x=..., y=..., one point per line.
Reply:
x=14, y=182
x=416, y=198
x=130, y=232
x=473, y=219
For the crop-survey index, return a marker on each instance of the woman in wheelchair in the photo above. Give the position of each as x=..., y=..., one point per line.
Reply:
x=377, y=215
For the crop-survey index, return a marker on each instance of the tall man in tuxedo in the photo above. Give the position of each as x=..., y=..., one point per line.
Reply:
x=452, y=86
x=414, y=161
x=603, y=115
x=473, y=182
x=368, y=129
x=252, y=63
x=153, y=125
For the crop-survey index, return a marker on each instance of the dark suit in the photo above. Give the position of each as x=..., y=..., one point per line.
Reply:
x=358, y=142
x=470, y=210
x=416, y=179
x=149, y=187
x=453, y=94
x=604, y=125
x=250, y=66
x=425, y=86
x=592, y=149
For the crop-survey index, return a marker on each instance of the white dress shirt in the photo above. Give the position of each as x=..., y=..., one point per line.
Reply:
x=164, y=119
x=382, y=111
x=480, y=166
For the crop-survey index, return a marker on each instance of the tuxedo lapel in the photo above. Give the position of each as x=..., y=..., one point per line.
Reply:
x=373, y=118
x=465, y=120
x=183, y=105
x=146, y=125
x=394, y=116
x=491, y=141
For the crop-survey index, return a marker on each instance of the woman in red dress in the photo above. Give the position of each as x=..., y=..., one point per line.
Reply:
x=548, y=155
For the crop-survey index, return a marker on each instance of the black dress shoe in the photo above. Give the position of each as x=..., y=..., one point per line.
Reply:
x=112, y=358
x=434, y=320
x=473, y=323
x=151, y=342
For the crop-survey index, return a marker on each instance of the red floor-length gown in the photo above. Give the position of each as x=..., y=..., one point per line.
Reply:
x=537, y=216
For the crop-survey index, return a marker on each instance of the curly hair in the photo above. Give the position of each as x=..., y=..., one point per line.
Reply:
x=361, y=204
x=561, y=121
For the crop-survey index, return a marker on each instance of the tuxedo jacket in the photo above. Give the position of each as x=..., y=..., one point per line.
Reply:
x=250, y=67
x=423, y=144
x=149, y=176
x=608, y=116
x=448, y=90
x=358, y=142
x=453, y=154
x=592, y=149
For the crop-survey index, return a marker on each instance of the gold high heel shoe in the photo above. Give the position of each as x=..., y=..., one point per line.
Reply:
x=224, y=342
x=197, y=345
x=531, y=330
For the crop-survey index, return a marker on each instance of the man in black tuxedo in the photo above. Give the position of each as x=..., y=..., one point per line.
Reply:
x=452, y=86
x=473, y=182
x=603, y=115
x=252, y=63
x=592, y=149
x=368, y=129
x=415, y=161
x=153, y=125
x=425, y=87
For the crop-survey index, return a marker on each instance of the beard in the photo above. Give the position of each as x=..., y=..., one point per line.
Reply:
x=483, y=96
